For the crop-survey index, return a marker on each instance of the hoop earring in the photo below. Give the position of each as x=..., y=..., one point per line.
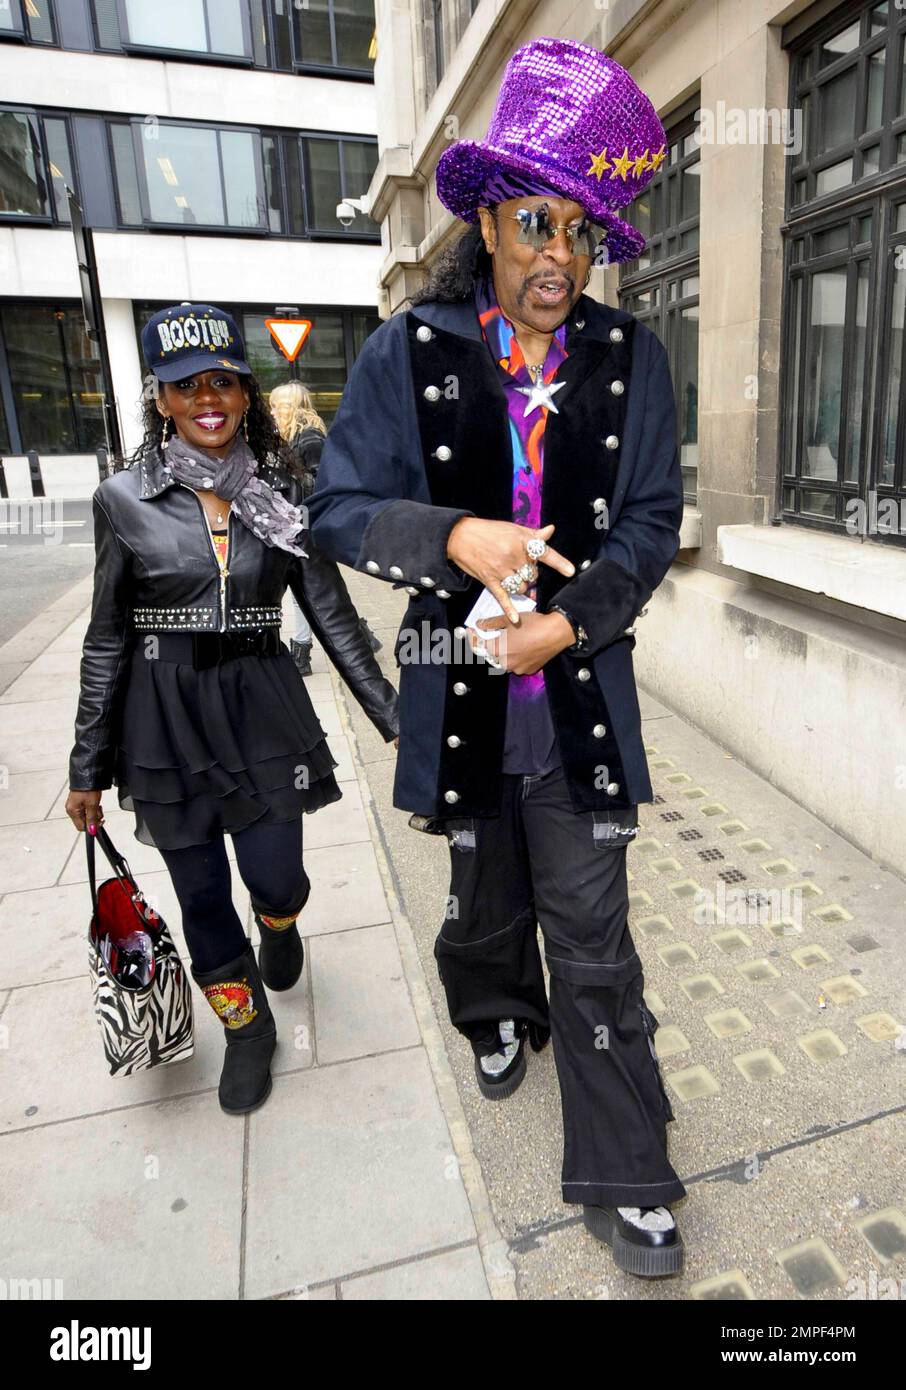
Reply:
x=245, y=425
x=165, y=433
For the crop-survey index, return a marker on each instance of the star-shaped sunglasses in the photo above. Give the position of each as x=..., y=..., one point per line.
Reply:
x=536, y=230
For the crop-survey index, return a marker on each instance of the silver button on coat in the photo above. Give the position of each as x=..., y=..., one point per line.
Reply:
x=451, y=797
x=372, y=567
x=599, y=730
x=424, y=334
x=616, y=335
x=612, y=788
x=584, y=674
x=432, y=393
x=453, y=741
x=443, y=452
x=460, y=688
x=395, y=572
x=612, y=441
x=616, y=387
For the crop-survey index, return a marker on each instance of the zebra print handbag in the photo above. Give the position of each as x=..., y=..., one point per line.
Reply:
x=142, y=997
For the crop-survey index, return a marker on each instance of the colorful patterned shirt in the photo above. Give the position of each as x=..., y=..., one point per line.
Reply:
x=221, y=543
x=531, y=745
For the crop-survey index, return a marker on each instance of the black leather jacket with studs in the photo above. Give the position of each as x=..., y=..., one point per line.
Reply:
x=156, y=570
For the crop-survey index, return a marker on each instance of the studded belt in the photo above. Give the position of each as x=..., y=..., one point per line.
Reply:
x=204, y=649
x=191, y=618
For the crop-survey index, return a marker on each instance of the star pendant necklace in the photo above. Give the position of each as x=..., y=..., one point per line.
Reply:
x=538, y=393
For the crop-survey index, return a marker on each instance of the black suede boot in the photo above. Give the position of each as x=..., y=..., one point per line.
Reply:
x=236, y=994
x=281, y=954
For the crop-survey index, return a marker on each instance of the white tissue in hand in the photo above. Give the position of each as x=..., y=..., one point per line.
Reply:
x=487, y=606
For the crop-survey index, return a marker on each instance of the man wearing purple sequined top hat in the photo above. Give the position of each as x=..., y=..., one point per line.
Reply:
x=512, y=441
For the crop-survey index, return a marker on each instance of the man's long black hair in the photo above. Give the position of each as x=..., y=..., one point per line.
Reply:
x=264, y=438
x=452, y=277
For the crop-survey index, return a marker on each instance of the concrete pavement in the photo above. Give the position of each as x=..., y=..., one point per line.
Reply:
x=354, y=1181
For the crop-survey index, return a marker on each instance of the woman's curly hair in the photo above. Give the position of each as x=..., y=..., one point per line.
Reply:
x=453, y=275
x=263, y=436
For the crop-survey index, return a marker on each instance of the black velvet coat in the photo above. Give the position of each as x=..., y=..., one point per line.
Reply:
x=421, y=439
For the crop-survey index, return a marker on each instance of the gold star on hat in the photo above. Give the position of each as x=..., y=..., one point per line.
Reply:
x=599, y=162
x=658, y=159
x=622, y=165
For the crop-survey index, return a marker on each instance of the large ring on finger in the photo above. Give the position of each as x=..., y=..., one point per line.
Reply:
x=528, y=572
x=535, y=548
x=512, y=583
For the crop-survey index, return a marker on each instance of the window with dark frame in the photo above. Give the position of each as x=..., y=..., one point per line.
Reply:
x=335, y=34
x=216, y=28
x=330, y=37
x=336, y=169
x=28, y=20
x=661, y=288
x=843, y=375
x=35, y=165
x=52, y=383
x=177, y=175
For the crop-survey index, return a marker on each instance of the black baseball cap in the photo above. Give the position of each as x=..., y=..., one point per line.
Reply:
x=189, y=338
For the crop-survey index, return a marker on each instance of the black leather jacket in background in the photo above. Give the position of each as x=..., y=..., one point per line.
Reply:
x=306, y=449
x=156, y=570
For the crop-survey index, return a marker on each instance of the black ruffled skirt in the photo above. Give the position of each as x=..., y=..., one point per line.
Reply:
x=209, y=752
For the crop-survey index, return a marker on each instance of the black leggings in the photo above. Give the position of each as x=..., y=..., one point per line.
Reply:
x=269, y=860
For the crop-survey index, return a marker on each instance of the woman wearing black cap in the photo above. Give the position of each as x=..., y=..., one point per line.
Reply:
x=188, y=699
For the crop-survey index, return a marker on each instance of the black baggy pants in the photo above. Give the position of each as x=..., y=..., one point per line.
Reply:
x=542, y=863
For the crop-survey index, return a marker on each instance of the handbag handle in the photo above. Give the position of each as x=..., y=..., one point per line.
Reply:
x=117, y=863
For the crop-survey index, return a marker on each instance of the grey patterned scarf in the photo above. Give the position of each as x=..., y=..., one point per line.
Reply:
x=258, y=506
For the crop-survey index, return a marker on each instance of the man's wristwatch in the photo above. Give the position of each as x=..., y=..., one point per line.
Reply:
x=580, y=646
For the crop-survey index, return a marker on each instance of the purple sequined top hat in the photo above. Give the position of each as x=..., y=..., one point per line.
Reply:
x=568, y=119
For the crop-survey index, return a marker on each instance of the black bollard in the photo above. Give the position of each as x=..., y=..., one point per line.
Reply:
x=34, y=467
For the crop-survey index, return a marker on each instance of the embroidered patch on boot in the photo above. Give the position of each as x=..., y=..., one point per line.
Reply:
x=232, y=1001
x=279, y=923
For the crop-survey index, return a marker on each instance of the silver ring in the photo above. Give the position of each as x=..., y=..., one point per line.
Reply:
x=512, y=583
x=535, y=548
x=528, y=572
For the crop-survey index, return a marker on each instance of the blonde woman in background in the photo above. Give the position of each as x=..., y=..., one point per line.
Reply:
x=303, y=430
